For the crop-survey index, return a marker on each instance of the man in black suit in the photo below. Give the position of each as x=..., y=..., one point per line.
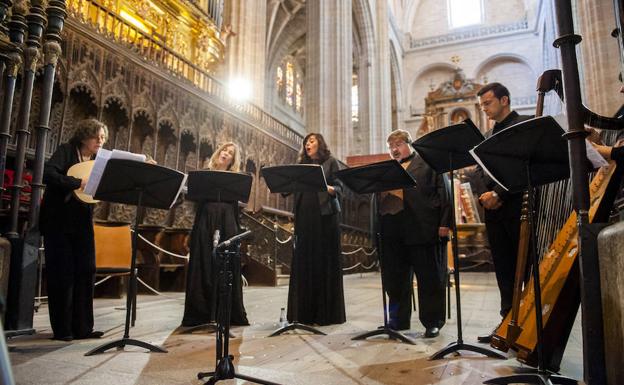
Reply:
x=502, y=209
x=414, y=229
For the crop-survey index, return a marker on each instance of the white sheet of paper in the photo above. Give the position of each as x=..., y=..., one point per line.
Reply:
x=101, y=160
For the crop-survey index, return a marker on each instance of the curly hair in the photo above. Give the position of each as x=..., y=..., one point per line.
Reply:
x=323, y=150
x=234, y=166
x=87, y=129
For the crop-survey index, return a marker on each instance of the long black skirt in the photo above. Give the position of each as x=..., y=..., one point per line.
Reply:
x=316, y=294
x=202, y=281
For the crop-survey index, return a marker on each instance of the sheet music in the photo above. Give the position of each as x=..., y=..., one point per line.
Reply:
x=476, y=157
x=101, y=160
x=182, y=188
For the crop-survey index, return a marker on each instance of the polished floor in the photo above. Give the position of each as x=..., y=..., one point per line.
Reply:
x=293, y=359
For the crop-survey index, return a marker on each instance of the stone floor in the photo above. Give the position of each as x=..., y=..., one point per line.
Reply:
x=292, y=359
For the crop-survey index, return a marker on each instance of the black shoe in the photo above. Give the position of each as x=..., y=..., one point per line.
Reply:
x=63, y=338
x=432, y=332
x=93, y=334
x=485, y=339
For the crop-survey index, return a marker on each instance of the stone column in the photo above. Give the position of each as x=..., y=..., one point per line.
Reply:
x=245, y=52
x=600, y=57
x=381, y=123
x=329, y=66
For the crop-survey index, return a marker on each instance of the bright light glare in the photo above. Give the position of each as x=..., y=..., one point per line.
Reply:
x=239, y=89
x=464, y=12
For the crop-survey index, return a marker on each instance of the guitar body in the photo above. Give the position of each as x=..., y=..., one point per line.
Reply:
x=82, y=170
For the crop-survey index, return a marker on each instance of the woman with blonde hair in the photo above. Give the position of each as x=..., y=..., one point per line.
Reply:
x=200, y=305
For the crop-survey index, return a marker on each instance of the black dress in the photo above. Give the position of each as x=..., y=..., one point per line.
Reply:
x=201, y=303
x=316, y=291
x=67, y=228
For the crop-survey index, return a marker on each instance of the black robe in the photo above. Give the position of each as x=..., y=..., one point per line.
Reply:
x=67, y=227
x=202, y=291
x=316, y=294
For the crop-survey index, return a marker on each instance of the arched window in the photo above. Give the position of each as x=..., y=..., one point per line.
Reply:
x=289, y=84
x=355, y=108
x=463, y=13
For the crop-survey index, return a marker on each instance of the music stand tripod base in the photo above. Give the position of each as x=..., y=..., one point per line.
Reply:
x=225, y=371
x=120, y=344
x=391, y=333
x=210, y=328
x=532, y=378
x=295, y=326
x=456, y=346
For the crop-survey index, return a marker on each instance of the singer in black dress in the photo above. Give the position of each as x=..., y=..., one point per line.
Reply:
x=66, y=224
x=201, y=302
x=316, y=294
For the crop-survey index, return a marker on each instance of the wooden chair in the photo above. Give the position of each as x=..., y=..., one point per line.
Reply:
x=113, y=250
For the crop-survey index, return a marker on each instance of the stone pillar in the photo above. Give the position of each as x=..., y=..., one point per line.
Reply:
x=245, y=52
x=329, y=66
x=600, y=57
x=381, y=123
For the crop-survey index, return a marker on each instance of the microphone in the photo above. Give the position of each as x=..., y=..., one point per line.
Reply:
x=215, y=239
x=234, y=239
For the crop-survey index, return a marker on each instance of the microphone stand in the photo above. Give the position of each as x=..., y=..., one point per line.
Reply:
x=224, y=366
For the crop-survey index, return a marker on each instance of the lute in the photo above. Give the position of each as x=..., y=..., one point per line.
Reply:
x=82, y=170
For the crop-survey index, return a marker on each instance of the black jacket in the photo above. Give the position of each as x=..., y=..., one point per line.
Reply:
x=512, y=202
x=426, y=206
x=329, y=204
x=60, y=210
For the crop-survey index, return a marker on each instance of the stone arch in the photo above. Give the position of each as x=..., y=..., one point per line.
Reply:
x=116, y=88
x=80, y=105
x=142, y=127
x=188, y=147
x=514, y=71
x=427, y=79
x=84, y=77
x=167, y=146
x=116, y=116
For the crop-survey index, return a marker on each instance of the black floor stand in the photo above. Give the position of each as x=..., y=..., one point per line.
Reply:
x=130, y=299
x=224, y=367
x=385, y=329
x=458, y=345
x=295, y=325
x=541, y=376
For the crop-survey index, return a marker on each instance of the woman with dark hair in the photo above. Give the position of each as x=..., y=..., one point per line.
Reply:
x=200, y=305
x=316, y=289
x=66, y=224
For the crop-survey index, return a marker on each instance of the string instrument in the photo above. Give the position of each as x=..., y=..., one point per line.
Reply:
x=82, y=170
x=560, y=285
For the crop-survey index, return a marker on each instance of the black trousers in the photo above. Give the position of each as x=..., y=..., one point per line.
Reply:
x=70, y=275
x=400, y=262
x=503, y=237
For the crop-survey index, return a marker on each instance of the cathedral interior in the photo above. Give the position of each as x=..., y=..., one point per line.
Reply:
x=174, y=79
